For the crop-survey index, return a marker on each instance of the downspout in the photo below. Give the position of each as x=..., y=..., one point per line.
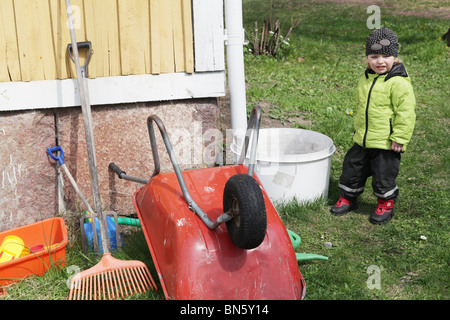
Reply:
x=234, y=42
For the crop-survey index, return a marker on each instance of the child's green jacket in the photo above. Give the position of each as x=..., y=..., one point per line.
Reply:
x=385, y=109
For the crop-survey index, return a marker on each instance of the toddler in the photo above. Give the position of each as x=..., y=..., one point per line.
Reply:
x=384, y=122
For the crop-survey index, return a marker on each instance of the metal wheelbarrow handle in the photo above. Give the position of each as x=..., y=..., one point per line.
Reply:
x=246, y=224
x=123, y=175
x=253, y=126
x=191, y=203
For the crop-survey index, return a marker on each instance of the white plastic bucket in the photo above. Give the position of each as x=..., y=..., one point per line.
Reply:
x=291, y=163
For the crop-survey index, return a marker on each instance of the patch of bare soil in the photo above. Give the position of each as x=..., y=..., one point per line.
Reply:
x=426, y=9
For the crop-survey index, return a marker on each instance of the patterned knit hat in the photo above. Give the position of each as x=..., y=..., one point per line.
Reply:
x=382, y=41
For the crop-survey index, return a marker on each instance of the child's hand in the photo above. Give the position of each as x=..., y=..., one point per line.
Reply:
x=397, y=147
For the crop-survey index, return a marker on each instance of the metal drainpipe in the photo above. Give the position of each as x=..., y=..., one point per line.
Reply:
x=235, y=65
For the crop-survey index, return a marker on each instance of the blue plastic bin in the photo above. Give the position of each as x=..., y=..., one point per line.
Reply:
x=111, y=234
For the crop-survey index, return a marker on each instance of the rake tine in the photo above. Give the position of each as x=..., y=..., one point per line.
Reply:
x=124, y=283
x=113, y=276
x=133, y=272
x=76, y=288
x=86, y=289
x=90, y=287
x=99, y=287
x=131, y=282
x=139, y=280
x=109, y=286
x=110, y=278
x=136, y=282
x=95, y=286
x=143, y=278
x=71, y=291
x=108, y=283
x=79, y=289
x=120, y=283
x=103, y=286
x=150, y=279
x=86, y=292
x=147, y=275
x=83, y=288
x=112, y=284
x=106, y=286
x=75, y=284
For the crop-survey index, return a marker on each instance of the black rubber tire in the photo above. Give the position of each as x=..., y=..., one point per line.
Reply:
x=248, y=226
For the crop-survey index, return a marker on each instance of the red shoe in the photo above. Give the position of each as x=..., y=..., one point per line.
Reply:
x=343, y=206
x=383, y=213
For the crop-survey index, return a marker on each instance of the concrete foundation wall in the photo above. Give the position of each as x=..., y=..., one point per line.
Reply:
x=29, y=179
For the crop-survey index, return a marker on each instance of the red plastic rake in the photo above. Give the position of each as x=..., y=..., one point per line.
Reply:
x=110, y=279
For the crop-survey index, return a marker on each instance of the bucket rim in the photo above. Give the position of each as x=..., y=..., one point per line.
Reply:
x=291, y=158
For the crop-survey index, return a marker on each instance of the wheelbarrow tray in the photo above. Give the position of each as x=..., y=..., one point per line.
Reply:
x=195, y=262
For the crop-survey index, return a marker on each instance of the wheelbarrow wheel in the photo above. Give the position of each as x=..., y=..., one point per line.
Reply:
x=243, y=199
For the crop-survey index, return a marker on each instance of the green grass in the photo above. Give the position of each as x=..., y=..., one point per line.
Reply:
x=320, y=87
x=55, y=284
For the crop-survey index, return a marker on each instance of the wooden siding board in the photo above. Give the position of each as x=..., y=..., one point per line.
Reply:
x=134, y=36
x=166, y=36
x=208, y=35
x=4, y=26
x=65, y=68
x=8, y=43
x=103, y=31
x=178, y=35
x=78, y=12
x=128, y=37
x=188, y=36
x=155, y=49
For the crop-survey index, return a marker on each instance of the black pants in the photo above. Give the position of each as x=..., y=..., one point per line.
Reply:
x=361, y=163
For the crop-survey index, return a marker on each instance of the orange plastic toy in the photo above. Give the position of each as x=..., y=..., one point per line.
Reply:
x=48, y=233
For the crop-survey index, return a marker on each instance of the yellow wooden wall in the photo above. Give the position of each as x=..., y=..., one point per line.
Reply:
x=128, y=37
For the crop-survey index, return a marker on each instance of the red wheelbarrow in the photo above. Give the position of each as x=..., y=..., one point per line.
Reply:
x=213, y=233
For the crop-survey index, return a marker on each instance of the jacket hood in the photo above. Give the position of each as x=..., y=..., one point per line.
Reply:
x=396, y=70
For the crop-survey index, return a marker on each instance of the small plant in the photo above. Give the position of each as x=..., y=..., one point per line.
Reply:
x=269, y=40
